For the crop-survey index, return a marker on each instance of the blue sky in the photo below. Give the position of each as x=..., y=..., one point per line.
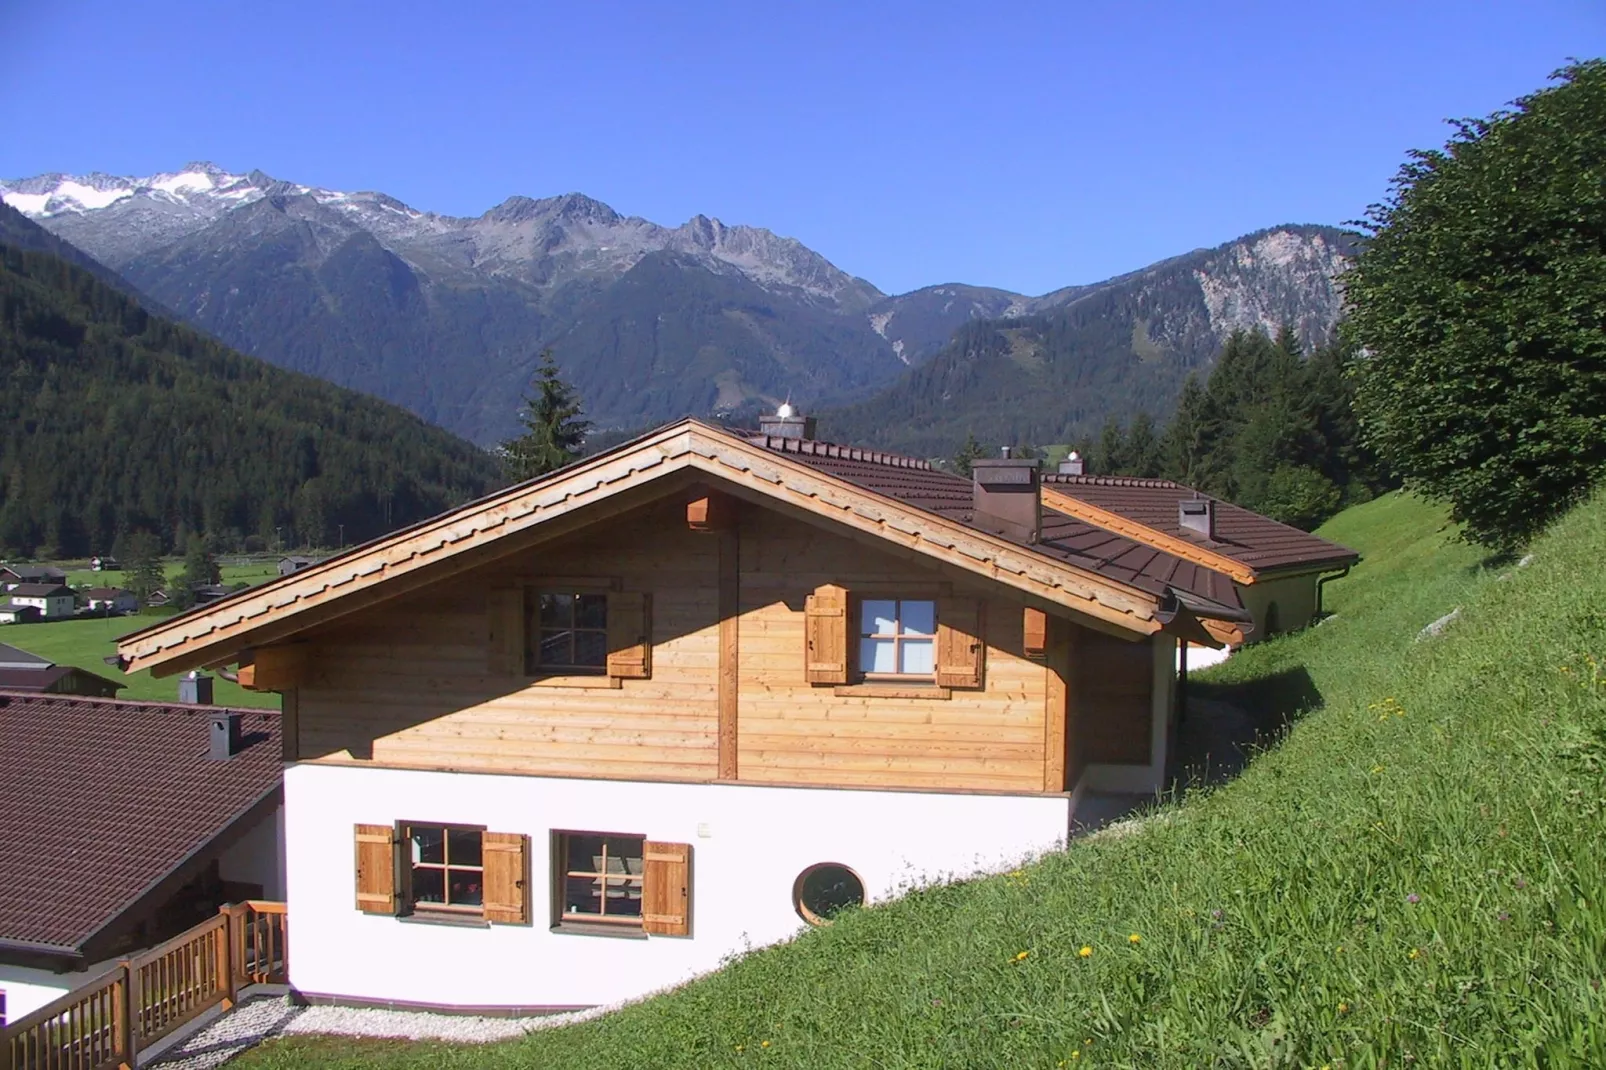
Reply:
x=1027, y=146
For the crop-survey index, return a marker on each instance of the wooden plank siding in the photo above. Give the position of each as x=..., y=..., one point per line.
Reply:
x=410, y=684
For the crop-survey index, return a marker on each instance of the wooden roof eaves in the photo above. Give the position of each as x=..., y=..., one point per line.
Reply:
x=201, y=636
x=1152, y=537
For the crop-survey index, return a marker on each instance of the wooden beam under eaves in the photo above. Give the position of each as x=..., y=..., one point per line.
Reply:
x=274, y=668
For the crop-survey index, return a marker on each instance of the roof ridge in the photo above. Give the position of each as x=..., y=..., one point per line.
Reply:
x=34, y=696
x=814, y=447
x=1115, y=481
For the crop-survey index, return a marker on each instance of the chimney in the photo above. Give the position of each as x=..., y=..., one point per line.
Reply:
x=787, y=423
x=225, y=737
x=1008, y=497
x=1073, y=465
x=1198, y=514
x=195, y=689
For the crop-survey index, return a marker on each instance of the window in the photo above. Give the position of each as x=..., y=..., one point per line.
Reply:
x=445, y=868
x=571, y=631
x=601, y=878
x=897, y=637
x=824, y=890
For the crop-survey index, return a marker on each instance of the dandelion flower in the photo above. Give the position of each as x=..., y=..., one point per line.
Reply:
x=1134, y=939
x=1086, y=952
x=1021, y=956
x=765, y=1044
x=1415, y=953
x=1343, y=1008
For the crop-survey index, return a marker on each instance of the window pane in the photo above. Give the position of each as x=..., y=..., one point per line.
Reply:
x=590, y=648
x=917, y=657
x=557, y=610
x=878, y=655
x=467, y=887
x=463, y=847
x=582, y=895
x=428, y=844
x=627, y=849
x=429, y=886
x=584, y=854
x=918, y=618
x=591, y=611
x=556, y=648
x=624, y=899
x=878, y=616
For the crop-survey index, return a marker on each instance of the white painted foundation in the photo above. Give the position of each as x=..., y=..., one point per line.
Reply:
x=749, y=843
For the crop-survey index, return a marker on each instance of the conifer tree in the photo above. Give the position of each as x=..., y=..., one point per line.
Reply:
x=969, y=452
x=554, y=427
x=200, y=562
x=145, y=575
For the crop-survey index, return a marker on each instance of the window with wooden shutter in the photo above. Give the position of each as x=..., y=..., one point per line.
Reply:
x=629, y=635
x=666, y=891
x=825, y=624
x=504, y=621
x=376, y=869
x=507, y=877
x=960, y=650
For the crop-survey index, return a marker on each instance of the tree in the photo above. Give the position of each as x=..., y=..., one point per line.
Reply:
x=1477, y=305
x=1143, y=452
x=1110, y=456
x=200, y=562
x=145, y=575
x=554, y=429
x=968, y=453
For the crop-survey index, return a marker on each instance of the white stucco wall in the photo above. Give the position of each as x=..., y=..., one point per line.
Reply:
x=258, y=856
x=749, y=843
x=27, y=989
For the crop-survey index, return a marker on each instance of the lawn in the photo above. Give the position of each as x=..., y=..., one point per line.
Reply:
x=85, y=641
x=253, y=573
x=1412, y=877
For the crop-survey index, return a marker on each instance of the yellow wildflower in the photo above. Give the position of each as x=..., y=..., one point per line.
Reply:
x=1134, y=939
x=1343, y=1008
x=1415, y=953
x=1086, y=952
x=765, y=1044
x=740, y=1048
x=1021, y=956
x=1376, y=769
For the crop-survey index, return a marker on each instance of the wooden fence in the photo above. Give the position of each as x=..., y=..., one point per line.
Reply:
x=105, y=1023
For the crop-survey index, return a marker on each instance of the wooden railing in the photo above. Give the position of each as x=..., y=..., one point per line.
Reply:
x=106, y=1022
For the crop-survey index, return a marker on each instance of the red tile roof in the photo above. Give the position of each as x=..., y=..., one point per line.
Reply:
x=100, y=799
x=1255, y=541
x=1064, y=538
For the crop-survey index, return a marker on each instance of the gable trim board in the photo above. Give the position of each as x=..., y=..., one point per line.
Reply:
x=591, y=490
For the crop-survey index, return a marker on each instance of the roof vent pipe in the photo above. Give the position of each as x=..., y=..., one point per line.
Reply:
x=1198, y=514
x=195, y=689
x=787, y=423
x=1007, y=497
x=1073, y=465
x=225, y=736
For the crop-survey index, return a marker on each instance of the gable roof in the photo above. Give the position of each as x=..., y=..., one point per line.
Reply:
x=106, y=593
x=1247, y=545
x=46, y=677
x=12, y=657
x=34, y=572
x=919, y=517
x=39, y=590
x=82, y=837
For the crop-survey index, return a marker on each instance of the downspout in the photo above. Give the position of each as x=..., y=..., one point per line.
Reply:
x=1321, y=582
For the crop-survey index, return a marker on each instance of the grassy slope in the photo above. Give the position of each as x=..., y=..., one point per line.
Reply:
x=1417, y=870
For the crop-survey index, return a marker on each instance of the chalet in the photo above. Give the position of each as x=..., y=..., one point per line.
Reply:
x=1278, y=570
x=13, y=575
x=122, y=823
x=23, y=671
x=111, y=600
x=55, y=601
x=684, y=697
x=294, y=563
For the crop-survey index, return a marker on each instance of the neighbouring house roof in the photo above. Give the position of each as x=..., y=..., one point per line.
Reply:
x=102, y=800
x=1112, y=582
x=39, y=590
x=295, y=559
x=1257, y=544
x=7, y=607
x=47, y=677
x=36, y=573
x=105, y=594
x=12, y=657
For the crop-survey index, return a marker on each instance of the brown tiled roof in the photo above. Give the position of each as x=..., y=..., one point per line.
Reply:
x=40, y=590
x=100, y=799
x=1255, y=541
x=1064, y=538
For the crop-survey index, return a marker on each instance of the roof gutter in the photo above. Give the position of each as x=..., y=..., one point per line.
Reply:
x=34, y=947
x=1321, y=585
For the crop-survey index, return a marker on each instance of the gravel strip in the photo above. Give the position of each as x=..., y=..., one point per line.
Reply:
x=261, y=1017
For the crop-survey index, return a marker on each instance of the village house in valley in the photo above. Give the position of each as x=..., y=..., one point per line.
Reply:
x=583, y=738
x=54, y=601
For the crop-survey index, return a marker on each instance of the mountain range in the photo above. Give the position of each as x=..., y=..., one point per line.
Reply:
x=447, y=315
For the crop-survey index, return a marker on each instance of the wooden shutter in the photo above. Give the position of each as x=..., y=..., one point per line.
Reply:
x=504, y=620
x=376, y=869
x=506, y=856
x=960, y=650
x=666, y=888
x=1034, y=632
x=629, y=635
x=825, y=623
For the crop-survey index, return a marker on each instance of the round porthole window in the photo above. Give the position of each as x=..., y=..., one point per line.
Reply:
x=824, y=890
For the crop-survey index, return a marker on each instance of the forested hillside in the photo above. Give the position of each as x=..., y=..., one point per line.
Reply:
x=113, y=420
